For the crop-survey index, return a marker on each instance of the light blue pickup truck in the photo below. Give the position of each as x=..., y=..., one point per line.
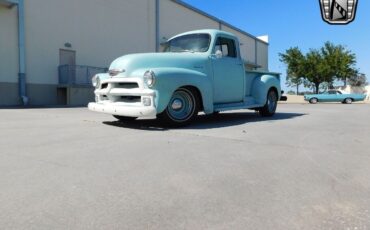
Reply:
x=198, y=71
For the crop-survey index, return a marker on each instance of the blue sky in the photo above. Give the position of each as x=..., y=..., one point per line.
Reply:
x=293, y=23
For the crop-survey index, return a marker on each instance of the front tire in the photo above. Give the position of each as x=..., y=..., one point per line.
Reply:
x=182, y=108
x=269, y=108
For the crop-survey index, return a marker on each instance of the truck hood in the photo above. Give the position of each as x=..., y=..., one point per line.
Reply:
x=147, y=61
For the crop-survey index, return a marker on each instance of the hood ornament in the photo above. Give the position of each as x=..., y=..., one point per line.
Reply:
x=115, y=72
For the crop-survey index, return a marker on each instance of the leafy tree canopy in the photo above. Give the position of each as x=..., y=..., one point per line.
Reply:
x=358, y=80
x=324, y=65
x=294, y=60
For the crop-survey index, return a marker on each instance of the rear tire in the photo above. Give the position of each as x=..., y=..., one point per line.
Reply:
x=124, y=118
x=348, y=101
x=313, y=100
x=182, y=108
x=269, y=108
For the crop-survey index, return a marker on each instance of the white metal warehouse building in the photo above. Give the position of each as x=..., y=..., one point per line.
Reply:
x=49, y=50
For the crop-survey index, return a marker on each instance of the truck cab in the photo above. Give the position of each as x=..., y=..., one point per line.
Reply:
x=198, y=71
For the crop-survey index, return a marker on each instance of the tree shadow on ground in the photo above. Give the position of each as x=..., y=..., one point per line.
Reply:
x=206, y=121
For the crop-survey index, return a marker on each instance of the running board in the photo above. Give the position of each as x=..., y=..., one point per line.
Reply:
x=248, y=103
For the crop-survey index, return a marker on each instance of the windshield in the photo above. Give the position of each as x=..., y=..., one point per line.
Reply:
x=189, y=43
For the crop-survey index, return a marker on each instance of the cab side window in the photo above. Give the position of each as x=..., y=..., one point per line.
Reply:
x=226, y=46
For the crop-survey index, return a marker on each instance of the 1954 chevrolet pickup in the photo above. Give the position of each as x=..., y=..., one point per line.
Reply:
x=198, y=71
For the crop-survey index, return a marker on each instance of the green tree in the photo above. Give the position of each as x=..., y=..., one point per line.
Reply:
x=318, y=66
x=358, y=80
x=291, y=92
x=340, y=61
x=293, y=58
x=316, y=70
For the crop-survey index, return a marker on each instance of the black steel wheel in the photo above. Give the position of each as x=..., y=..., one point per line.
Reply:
x=271, y=104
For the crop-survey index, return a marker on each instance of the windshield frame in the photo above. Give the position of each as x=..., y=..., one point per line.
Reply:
x=167, y=44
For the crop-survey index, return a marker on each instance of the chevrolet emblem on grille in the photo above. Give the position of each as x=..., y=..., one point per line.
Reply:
x=115, y=72
x=338, y=12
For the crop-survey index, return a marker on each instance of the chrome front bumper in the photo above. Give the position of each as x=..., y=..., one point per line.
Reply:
x=124, y=97
x=123, y=110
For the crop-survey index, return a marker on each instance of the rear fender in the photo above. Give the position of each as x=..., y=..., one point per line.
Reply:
x=262, y=84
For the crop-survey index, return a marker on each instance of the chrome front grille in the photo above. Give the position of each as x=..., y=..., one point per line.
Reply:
x=129, y=99
x=121, y=85
x=126, y=85
x=124, y=92
x=104, y=98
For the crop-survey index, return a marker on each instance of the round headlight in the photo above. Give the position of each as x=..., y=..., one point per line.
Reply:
x=149, y=78
x=95, y=81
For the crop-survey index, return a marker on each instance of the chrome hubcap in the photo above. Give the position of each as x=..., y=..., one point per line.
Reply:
x=182, y=105
x=177, y=104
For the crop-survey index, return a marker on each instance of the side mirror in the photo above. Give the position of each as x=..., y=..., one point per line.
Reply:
x=218, y=54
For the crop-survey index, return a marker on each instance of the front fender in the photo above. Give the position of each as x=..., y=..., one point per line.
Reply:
x=262, y=84
x=168, y=80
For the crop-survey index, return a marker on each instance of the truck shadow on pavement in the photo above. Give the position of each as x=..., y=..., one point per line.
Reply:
x=206, y=121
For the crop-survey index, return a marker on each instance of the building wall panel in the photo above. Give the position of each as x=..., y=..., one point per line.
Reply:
x=262, y=55
x=8, y=45
x=98, y=30
x=175, y=19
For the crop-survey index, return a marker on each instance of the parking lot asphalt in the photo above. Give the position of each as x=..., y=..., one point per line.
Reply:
x=68, y=168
